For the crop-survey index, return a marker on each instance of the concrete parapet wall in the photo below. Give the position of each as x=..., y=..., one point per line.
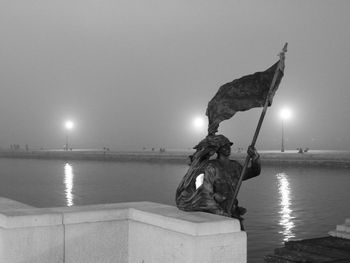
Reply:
x=126, y=232
x=342, y=231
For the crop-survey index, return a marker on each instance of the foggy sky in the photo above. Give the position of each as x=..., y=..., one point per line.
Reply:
x=134, y=74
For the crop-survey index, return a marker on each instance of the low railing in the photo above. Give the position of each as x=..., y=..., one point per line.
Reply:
x=125, y=232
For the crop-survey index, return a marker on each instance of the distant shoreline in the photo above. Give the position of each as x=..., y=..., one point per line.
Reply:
x=336, y=159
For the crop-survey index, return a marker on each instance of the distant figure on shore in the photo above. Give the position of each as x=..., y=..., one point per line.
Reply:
x=162, y=150
x=306, y=149
x=105, y=149
x=15, y=147
x=209, y=184
x=300, y=150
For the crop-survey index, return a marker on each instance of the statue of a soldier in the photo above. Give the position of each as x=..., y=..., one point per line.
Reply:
x=210, y=183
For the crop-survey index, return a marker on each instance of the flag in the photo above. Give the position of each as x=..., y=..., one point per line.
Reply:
x=243, y=94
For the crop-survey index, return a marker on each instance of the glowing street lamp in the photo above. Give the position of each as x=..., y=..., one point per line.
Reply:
x=285, y=115
x=198, y=124
x=69, y=125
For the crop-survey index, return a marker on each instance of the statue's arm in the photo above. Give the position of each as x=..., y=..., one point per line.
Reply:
x=255, y=164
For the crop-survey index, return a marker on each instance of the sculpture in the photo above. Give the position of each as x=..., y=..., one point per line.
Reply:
x=210, y=183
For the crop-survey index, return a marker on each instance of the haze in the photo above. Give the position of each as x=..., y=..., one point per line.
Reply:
x=134, y=74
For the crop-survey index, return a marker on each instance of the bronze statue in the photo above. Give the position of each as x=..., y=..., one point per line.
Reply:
x=210, y=183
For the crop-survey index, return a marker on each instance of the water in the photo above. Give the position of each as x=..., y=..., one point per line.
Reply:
x=284, y=203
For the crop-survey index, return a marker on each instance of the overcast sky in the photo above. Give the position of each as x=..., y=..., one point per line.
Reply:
x=135, y=73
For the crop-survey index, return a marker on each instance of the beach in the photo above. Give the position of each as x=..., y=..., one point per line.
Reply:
x=336, y=159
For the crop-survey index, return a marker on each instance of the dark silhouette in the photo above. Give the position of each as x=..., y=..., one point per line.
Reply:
x=209, y=184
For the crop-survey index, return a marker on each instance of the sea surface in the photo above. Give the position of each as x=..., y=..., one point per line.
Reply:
x=284, y=203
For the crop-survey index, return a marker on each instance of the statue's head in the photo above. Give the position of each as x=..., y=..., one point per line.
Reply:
x=223, y=141
x=213, y=143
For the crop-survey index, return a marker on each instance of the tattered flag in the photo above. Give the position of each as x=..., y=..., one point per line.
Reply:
x=243, y=94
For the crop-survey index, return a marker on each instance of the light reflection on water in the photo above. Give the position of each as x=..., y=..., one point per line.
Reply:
x=285, y=210
x=68, y=182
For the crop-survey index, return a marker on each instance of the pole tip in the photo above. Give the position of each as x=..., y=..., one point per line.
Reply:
x=285, y=47
x=283, y=51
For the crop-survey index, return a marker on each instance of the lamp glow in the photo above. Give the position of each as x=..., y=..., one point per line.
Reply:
x=69, y=125
x=286, y=114
x=198, y=122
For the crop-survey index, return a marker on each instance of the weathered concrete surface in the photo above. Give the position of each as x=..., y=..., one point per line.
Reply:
x=342, y=231
x=6, y=203
x=105, y=241
x=29, y=234
x=335, y=248
x=324, y=249
x=184, y=237
x=32, y=244
x=124, y=232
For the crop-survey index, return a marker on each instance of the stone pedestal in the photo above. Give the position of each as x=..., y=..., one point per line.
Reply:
x=125, y=232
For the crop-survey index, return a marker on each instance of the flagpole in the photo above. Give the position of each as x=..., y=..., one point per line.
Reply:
x=262, y=116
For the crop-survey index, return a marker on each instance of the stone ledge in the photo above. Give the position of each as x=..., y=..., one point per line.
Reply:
x=6, y=203
x=343, y=228
x=339, y=234
x=100, y=212
x=163, y=216
x=29, y=217
x=124, y=232
x=341, y=231
x=191, y=223
x=14, y=214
